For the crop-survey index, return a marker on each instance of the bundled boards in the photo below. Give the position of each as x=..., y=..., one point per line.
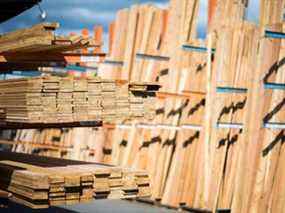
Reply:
x=217, y=138
x=41, y=38
x=40, y=182
x=65, y=100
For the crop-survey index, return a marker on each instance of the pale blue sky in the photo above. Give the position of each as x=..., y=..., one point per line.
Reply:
x=74, y=15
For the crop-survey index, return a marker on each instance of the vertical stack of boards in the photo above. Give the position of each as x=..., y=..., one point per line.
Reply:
x=217, y=140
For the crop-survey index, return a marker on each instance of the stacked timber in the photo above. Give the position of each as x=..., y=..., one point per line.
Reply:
x=41, y=38
x=219, y=133
x=234, y=11
x=108, y=88
x=123, y=102
x=94, y=98
x=49, y=98
x=217, y=139
x=39, y=182
x=65, y=100
x=80, y=99
x=21, y=99
x=270, y=12
x=141, y=101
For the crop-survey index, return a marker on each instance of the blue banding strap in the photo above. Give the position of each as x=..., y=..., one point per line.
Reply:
x=231, y=90
x=191, y=48
x=272, y=34
x=276, y=86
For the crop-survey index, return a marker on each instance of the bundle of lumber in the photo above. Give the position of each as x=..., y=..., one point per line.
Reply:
x=142, y=99
x=216, y=141
x=230, y=124
x=55, y=99
x=234, y=11
x=40, y=182
x=41, y=38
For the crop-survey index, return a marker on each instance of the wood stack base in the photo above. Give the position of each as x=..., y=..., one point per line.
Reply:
x=39, y=182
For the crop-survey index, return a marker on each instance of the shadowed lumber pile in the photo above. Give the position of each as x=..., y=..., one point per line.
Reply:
x=64, y=100
x=41, y=38
x=39, y=182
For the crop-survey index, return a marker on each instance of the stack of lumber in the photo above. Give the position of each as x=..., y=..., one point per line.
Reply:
x=123, y=102
x=21, y=99
x=80, y=95
x=50, y=89
x=217, y=139
x=41, y=38
x=64, y=100
x=39, y=182
x=206, y=169
x=54, y=54
x=140, y=29
x=94, y=98
x=270, y=12
x=235, y=11
x=108, y=93
x=142, y=99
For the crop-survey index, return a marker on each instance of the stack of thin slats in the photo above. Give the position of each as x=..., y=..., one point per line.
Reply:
x=66, y=100
x=141, y=100
x=39, y=182
x=108, y=100
x=21, y=99
x=136, y=102
x=142, y=97
x=41, y=38
x=122, y=102
x=49, y=98
x=80, y=101
x=136, y=182
x=94, y=98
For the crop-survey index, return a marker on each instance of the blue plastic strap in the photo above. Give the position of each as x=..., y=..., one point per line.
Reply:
x=231, y=90
x=191, y=48
x=276, y=86
x=272, y=34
